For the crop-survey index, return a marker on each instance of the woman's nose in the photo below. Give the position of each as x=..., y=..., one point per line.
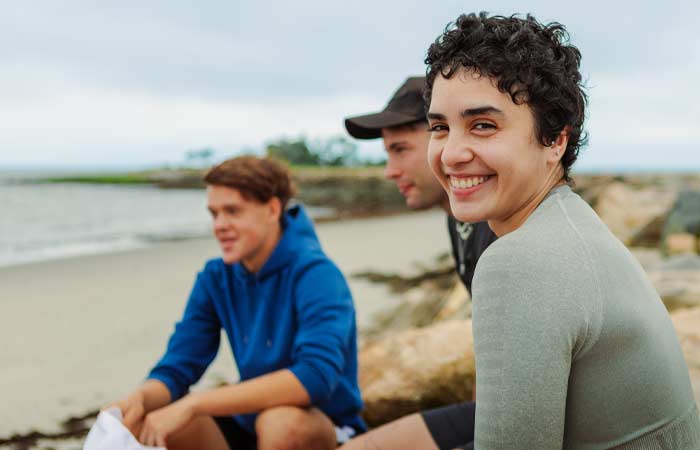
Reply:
x=457, y=150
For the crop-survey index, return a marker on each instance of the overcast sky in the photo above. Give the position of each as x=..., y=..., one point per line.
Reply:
x=138, y=83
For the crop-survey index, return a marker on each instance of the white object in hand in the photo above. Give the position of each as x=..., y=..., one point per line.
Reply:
x=109, y=433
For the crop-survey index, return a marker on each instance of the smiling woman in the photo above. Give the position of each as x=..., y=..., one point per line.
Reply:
x=485, y=153
x=573, y=346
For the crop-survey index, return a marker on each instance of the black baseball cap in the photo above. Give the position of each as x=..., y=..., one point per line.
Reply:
x=406, y=106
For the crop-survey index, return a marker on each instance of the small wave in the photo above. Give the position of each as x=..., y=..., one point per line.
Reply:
x=66, y=250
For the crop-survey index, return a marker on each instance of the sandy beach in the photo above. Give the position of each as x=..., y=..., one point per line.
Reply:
x=79, y=333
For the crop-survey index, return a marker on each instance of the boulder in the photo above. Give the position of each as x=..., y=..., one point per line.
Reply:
x=457, y=305
x=434, y=295
x=434, y=366
x=681, y=243
x=685, y=214
x=677, y=288
x=677, y=280
x=635, y=216
x=681, y=262
x=589, y=187
x=649, y=258
x=417, y=369
x=687, y=325
x=650, y=234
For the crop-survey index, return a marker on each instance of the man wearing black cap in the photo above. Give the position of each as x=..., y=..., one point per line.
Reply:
x=404, y=129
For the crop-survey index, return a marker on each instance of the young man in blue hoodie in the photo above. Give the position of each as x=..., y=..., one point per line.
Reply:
x=289, y=317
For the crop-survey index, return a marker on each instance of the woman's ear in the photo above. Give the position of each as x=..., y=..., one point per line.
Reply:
x=558, y=146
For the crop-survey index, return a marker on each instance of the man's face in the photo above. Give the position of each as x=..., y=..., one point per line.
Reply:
x=407, y=165
x=243, y=227
x=483, y=149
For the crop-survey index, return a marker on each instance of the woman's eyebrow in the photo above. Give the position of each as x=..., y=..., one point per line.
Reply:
x=469, y=112
x=479, y=110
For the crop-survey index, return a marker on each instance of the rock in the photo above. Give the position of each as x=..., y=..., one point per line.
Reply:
x=677, y=288
x=417, y=308
x=458, y=304
x=425, y=298
x=650, y=234
x=685, y=214
x=590, y=187
x=649, y=258
x=434, y=366
x=687, y=325
x=417, y=369
x=681, y=243
x=681, y=262
x=635, y=215
x=677, y=280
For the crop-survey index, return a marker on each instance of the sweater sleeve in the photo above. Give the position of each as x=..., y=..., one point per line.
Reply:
x=326, y=320
x=192, y=346
x=527, y=327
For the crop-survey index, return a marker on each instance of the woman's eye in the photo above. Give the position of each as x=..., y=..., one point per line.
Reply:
x=484, y=126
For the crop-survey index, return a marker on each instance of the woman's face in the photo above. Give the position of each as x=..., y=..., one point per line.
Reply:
x=484, y=152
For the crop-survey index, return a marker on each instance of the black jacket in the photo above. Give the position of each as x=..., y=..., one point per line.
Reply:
x=468, y=243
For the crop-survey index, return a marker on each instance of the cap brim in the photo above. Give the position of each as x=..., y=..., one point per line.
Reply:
x=370, y=126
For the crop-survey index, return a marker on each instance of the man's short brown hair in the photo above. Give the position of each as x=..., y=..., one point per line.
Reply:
x=255, y=178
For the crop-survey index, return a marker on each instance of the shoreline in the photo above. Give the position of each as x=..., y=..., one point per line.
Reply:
x=126, y=244
x=82, y=331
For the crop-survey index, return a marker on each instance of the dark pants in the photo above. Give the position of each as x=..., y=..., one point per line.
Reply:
x=237, y=437
x=452, y=426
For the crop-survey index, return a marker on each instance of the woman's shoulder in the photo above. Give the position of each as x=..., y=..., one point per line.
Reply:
x=546, y=256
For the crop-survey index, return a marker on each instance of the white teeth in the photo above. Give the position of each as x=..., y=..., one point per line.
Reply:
x=465, y=183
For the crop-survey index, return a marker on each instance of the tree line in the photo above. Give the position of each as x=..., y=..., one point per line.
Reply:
x=334, y=151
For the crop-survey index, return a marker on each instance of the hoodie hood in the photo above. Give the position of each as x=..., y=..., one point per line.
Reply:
x=297, y=234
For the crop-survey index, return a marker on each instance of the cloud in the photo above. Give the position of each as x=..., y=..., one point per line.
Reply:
x=146, y=81
x=95, y=127
x=658, y=107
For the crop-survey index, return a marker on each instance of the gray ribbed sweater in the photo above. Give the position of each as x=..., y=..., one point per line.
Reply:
x=574, y=349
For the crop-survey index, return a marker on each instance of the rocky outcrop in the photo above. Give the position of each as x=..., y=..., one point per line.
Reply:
x=681, y=243
x=685, y=215
x=404, y=369
x=417, y=369
x=434, y=366
x=677, y=281
x=434, y=295
x=635, y=216
x=687, y=325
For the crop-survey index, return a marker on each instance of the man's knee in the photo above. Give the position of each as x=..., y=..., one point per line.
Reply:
x=292, y=428
x=201, y=432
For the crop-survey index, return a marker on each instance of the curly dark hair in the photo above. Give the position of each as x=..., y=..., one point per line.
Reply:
x=532, y=62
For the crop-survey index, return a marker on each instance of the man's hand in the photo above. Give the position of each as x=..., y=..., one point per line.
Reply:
x=163, y=422
x=133, y=411
x=153, y=394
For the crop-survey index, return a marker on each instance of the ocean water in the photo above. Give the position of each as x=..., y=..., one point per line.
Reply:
x=40, y=221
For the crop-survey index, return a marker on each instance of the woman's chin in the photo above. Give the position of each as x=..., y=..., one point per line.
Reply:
x=466, y=213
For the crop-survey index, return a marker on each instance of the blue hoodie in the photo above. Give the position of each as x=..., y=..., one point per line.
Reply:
x=295, y=313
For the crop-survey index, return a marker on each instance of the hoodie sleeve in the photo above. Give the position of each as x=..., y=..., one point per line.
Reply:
x=192, y=346
x=326, y=320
